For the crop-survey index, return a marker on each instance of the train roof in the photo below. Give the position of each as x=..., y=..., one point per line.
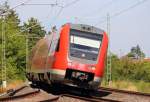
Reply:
x=87, y=28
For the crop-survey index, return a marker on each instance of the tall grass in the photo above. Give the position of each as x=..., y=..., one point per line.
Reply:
x=139, y=86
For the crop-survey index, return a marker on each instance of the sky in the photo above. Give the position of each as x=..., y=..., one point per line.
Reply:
x=129, y=26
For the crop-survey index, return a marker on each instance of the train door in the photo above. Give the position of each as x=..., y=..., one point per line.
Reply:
x=52, y=49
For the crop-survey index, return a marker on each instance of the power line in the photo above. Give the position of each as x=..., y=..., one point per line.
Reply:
x=52, y=5
x=89, y=13
x=20, y=4
x=25, y=3
x=55, y=4
x=127, y=9
x=123, y=11
x=50, y=12
x=14, y=7
x=71, y=3
x=104, y=6
x=63, y=7
x=57, y=15
x=42, y=4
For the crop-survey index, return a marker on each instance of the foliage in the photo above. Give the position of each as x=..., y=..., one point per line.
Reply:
x=136, y=53
x=127, y=68
x=130, y=74
x=140, y=86
x=15, y=49
x=15, y=46
x=35, y=31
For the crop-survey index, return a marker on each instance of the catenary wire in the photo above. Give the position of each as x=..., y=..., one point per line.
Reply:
x=67, y=5
x=21, y=4
x=71, y=3
x=104, y=6
x=122, y=11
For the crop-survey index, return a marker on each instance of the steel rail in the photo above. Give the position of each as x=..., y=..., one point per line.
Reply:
x=91, y=99
x=52, y=99
x=19, y=96
x=11, y=92
x=123, y=91
x=10, y=96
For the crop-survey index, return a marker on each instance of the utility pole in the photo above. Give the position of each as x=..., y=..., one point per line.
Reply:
x=3, y=68
x=27, y=50
x=108, y=72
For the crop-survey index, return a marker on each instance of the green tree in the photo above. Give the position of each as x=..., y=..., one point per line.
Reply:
x=15, y=45
x=16, y=40
x=136, y=53
x=35, y=31
x=126, y=68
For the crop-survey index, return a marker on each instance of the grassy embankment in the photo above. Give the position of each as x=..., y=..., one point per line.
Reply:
x=12, y=85
x=139, y=86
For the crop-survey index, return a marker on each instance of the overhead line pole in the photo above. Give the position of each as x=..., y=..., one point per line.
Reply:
x=109, y=75
x=27, y=52
x=4, y=83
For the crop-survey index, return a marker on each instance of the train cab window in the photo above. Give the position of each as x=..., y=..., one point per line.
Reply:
x=85, y=45
x=58, y=44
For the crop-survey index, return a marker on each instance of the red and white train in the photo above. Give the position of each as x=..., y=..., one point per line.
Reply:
x=75, y=56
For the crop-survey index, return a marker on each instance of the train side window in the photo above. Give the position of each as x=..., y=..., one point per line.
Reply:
x=58, y=44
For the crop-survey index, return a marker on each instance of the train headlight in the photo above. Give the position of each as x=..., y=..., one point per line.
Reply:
x=92, y=67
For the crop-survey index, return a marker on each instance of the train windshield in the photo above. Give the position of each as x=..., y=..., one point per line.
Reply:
x=84, y=45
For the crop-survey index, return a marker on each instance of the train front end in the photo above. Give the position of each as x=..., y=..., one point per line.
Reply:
x=81, y=55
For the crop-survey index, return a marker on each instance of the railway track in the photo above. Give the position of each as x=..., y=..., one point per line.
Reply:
x=87, y=99
x=122, y=95
x=124, y=91
x=110, y=95
x=28, y=94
